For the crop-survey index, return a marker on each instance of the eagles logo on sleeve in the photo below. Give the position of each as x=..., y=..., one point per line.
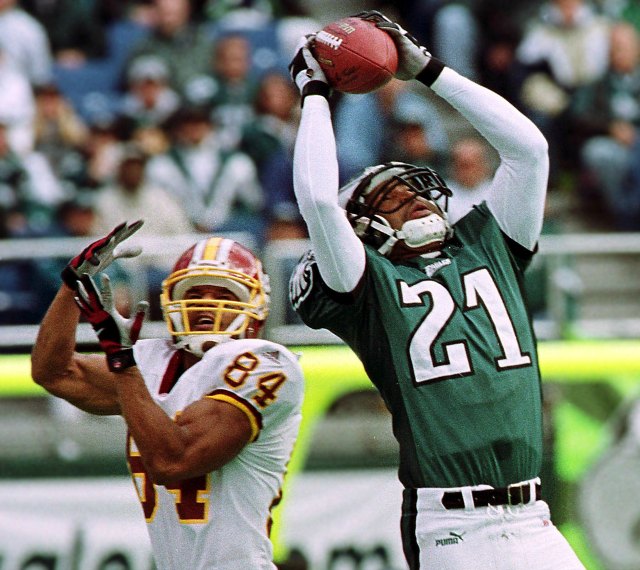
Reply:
x=301, y=282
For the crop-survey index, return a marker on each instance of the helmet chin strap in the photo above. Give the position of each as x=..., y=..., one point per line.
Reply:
x=195, y=343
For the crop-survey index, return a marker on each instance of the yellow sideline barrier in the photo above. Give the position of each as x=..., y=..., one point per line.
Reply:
x=332, y=371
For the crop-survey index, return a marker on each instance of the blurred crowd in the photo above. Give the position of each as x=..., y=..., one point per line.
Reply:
x=182, y=112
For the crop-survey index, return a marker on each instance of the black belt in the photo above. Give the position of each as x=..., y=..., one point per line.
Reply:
x=512, y=495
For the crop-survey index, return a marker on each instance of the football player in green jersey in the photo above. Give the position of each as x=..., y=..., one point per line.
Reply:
x=434, y=309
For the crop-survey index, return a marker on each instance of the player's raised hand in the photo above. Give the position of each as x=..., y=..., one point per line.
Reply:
x=305, y=70
x=101, y=253
x=412, y=57
x=116, y=334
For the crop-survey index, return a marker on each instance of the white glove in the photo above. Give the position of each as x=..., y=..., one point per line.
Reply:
x=116, y=334
x=412, y=57
x=306, y=71
x=101, y=253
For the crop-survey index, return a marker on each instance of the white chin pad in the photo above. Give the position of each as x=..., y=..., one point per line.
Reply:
x=423, y=231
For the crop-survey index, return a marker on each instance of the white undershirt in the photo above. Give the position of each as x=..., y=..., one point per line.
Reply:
x=516, y=196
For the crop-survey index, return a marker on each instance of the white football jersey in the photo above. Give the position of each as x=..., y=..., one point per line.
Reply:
x=221, y=520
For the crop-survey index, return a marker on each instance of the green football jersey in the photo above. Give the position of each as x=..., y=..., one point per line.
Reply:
x=449, y=344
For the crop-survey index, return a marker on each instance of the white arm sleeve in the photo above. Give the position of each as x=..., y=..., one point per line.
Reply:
x=517, y=193
x=339, y=252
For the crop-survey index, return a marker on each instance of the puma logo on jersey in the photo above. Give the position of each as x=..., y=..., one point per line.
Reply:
x=432, y=269
x=453, y=538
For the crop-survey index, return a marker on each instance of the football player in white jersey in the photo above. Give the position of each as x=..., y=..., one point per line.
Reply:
x=212, y=410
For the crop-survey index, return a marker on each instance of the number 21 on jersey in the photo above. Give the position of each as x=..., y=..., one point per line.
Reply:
x=480, y=290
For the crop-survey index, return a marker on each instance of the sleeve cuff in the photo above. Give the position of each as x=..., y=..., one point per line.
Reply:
x=255, y=420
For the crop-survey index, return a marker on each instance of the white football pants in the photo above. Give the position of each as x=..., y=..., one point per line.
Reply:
x=503, y=537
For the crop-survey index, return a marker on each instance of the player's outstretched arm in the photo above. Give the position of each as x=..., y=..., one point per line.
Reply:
x=339, y=252
x=82, y=379
x=518, y=191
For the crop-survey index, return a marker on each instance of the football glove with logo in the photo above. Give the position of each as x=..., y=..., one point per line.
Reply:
x=412, y=57
x=100, y=254
x=116, y=334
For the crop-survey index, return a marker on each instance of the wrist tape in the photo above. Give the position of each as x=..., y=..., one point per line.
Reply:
x=431, y=72
x=121, y=360
x=315, y=88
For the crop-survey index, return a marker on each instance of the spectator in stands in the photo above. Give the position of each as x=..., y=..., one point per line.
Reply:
x=59, y=132
x=150, y=138
x=74, y=217
x=606, y=115
x=112, y=12
x=268, y=26
x=456, y=35
x=17, y=104
x=131, y=195
x=625, y=10
x=276, y=111
x=469, y=176
x=293, y=20
x=100, y=157
x=411, y=141
x=231, y=13
x=74, y=29
x=362, y=121
x=149, y=99
x=501, y=35
x=26, y=42
x=218, y=186
x=29, y=190
x=550, y=45
x=269, y=140
x=182, y=44
x=233, y=86
x=148, y=102
x=476, y=37
x=565, y=47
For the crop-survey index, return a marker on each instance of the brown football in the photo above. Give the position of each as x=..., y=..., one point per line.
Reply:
x=355, y=55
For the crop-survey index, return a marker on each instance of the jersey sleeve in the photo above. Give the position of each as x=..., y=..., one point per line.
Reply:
x=470, y=227
x=318, y=305
x=340, y=253
x=264, y=381
x=518, y=190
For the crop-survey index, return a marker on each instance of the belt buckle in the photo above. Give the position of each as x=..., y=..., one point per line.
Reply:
x=520, y=499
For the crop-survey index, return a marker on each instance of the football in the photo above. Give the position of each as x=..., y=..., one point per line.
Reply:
x=355, y=55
